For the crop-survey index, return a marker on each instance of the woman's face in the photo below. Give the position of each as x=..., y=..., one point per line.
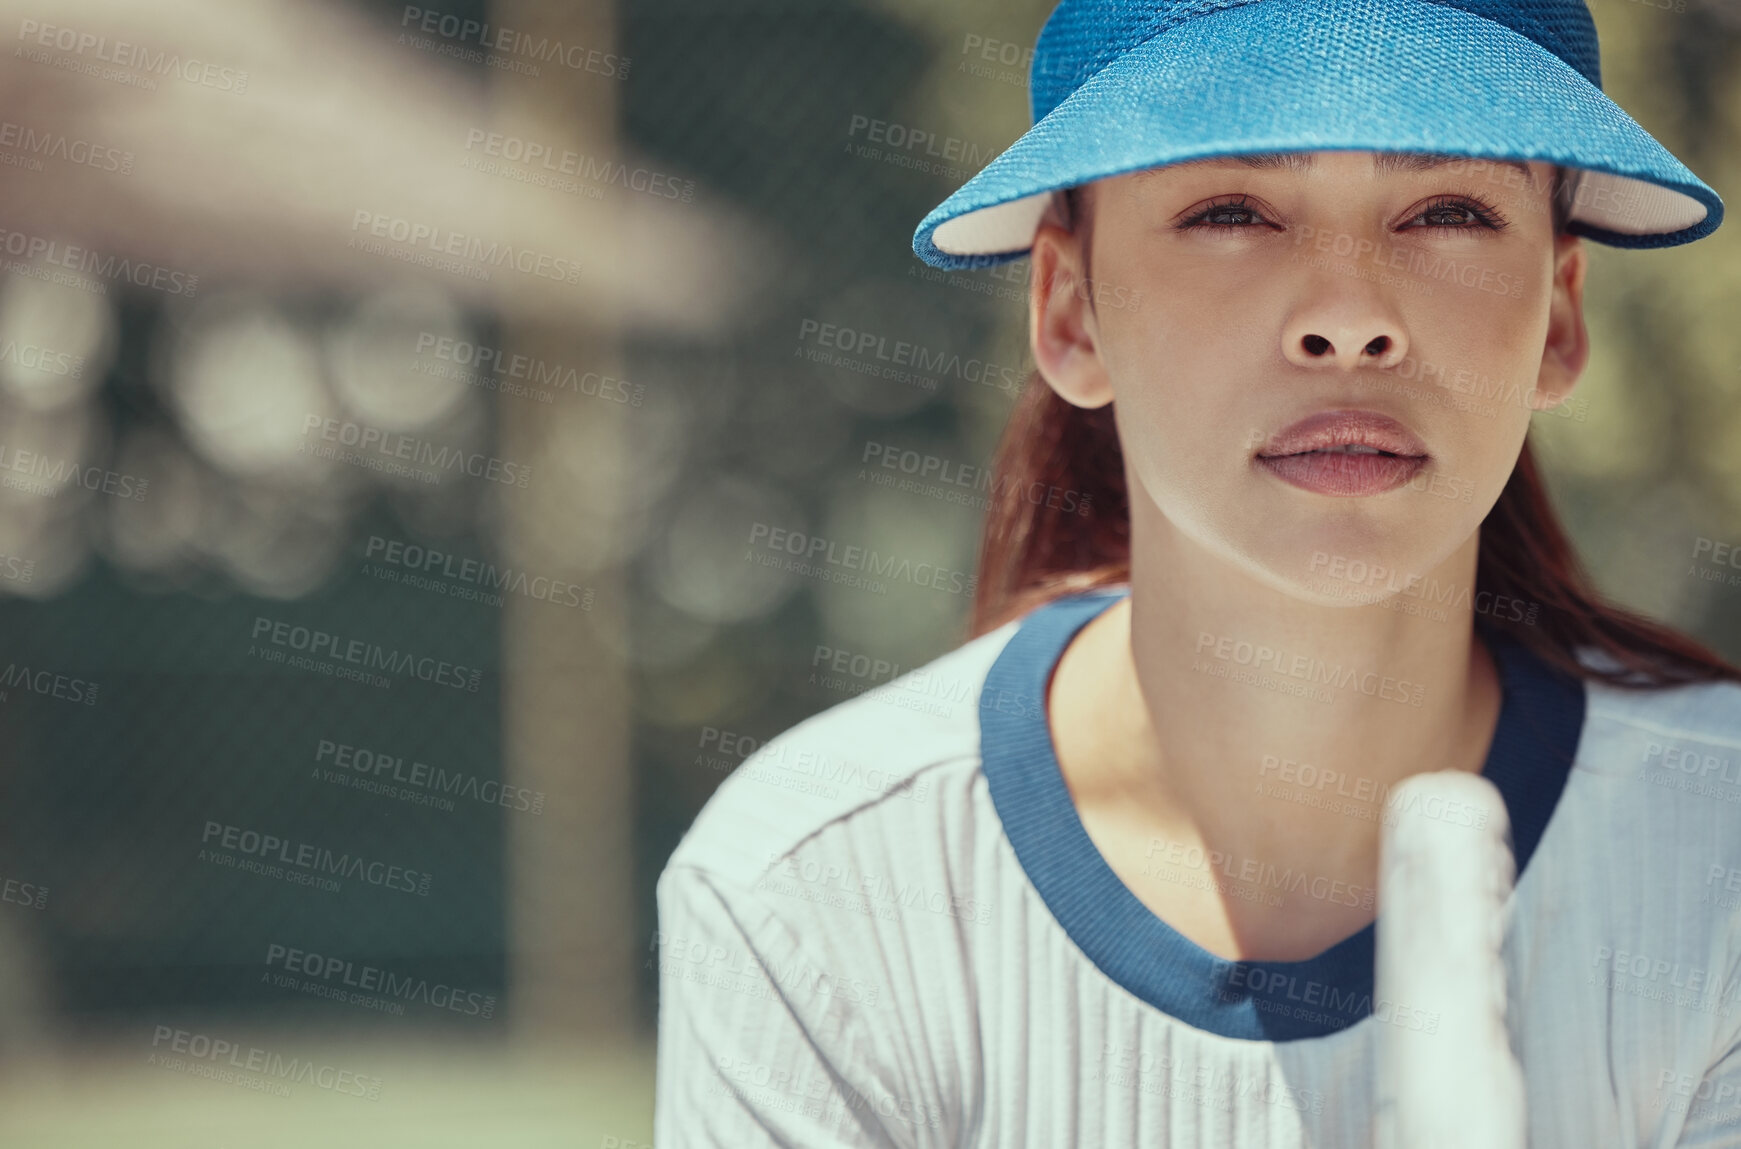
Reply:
x=1413, y=306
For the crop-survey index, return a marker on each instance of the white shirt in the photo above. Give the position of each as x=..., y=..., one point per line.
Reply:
x=889, y=928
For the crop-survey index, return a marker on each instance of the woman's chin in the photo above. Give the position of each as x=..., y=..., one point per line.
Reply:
x=1333, y=569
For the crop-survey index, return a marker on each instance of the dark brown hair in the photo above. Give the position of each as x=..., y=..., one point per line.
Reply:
x=1031, y=554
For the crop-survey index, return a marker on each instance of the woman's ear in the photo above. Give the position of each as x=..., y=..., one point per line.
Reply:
x=1567, y=349
x=1063, y=329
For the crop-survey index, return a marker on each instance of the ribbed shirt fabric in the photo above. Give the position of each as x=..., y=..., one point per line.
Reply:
x=889, y=927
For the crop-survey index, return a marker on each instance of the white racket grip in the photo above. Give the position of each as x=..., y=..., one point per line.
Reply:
x=1446, y=1075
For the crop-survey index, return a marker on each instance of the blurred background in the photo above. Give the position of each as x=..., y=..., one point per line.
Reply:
x=396, y=404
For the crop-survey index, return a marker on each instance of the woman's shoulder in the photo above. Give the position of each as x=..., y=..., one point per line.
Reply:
x=887, y=754
x=1647, y=723
x=1632, y=939
x=1658, y=776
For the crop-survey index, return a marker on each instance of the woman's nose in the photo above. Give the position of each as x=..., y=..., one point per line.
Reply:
x=1347, y=325
x=1374, y=352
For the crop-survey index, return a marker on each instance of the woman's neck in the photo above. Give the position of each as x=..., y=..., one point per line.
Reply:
x=1211, y=712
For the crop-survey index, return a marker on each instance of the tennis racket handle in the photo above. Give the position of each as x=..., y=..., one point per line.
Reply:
x=1447, y=1078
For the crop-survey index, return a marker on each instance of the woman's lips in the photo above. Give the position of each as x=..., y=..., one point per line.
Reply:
x=1344, y=453
x=1333, y=473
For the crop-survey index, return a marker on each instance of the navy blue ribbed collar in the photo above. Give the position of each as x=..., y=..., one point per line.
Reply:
x=1540, y=722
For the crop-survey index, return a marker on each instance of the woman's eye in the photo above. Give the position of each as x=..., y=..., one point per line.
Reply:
x=1232, y=214
x=1459, y=214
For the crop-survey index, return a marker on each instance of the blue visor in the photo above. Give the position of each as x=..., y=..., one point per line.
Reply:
x=1232, y=77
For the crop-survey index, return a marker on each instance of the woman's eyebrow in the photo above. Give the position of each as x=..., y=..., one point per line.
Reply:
x=1382, y=162
x=1421, y=161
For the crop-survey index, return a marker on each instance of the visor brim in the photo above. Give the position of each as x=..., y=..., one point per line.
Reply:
x=1279, y=76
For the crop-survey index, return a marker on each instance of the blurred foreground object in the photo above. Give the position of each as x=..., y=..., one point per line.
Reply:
x=322, y=151
x=1445, y=874
x=252, y=233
